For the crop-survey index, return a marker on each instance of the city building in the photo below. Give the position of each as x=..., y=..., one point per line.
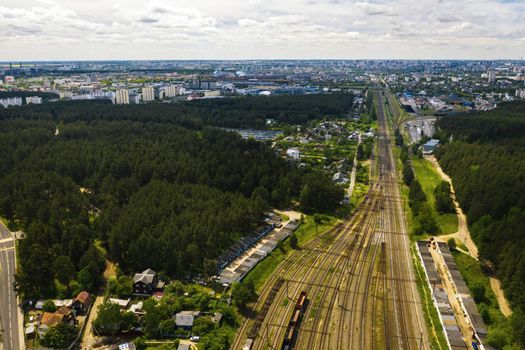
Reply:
x=122, y=97
x=64, y=94
x=172, y=90
x=214, y=93
x=13, y=101
x=148, y=94
x=33, y=100
x=491, y=76
x=134, y=98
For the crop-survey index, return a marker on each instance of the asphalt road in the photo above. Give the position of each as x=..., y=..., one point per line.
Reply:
x=10, y=318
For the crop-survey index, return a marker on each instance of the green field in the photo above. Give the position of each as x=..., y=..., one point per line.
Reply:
x=304, y=233
x=429, y=179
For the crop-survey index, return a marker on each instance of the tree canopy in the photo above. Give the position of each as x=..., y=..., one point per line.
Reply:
x=486, y=161
x=153, y=185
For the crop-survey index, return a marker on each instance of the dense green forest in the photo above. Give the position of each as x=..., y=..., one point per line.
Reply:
x=150, y=188
x=242, y=112
x=486, y=161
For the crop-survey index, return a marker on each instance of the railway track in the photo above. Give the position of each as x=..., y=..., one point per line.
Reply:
x=358, y=277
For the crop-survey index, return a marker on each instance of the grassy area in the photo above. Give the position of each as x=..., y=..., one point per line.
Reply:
x=437, y=337
x=4, y=221
x=304, y=233
x=429, y=179
x=500, y=329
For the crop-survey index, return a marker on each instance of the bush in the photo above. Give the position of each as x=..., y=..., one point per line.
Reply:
x=244, y=293
x=451, y=244
x=444, y=202
x=59, y=336
x=202, y=325
x=49, y=306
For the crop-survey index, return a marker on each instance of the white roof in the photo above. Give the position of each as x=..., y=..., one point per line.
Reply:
x=136, y=307
x=186, y=318
x=120, y=302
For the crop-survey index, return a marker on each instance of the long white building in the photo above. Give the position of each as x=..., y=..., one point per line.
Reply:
x=13, y=101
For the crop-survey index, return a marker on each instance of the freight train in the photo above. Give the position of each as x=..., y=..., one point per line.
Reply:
x=293, y=325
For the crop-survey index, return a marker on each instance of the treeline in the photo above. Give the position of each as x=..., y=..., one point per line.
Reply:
x=242, y=112
x=150, y=194
x=422, y=219
x=486, y=161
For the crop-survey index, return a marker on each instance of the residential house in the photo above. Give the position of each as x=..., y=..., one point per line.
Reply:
x=69, y=316
x=217, y=317
x=339, y=178
x=430, y=146
x=293, y=153
x=137, y=308
x=146, y=283
x=185, y=319
x=81, y=303
x=122, y=303
x=127, y=346
x=30, y=330
x=49, y=320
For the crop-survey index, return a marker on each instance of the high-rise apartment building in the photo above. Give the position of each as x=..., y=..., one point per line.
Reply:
x=122, y=97
x=148, y=94
x=172, y=90
x=491, y=76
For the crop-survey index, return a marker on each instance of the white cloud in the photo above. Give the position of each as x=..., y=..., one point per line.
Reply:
x=142, y=29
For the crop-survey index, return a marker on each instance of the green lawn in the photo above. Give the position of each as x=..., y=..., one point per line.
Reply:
x=429, y=179
x=437, y=337
x=305, y=233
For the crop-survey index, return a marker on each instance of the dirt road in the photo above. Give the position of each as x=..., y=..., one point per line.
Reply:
x=463, y=235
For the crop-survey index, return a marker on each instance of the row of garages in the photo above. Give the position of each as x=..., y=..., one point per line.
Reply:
x=441, y=299
x=446, y=314
x=467, y=301
x=238, y=268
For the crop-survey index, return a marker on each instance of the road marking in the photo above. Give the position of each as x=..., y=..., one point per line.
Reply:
x=7, y=249
x=6, y=240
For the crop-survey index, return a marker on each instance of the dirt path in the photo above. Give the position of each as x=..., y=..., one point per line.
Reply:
x=463, y=235
x=292, y=214
x=88, y=338
x=502, y=301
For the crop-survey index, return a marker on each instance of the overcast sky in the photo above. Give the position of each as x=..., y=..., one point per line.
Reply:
x=244, y=29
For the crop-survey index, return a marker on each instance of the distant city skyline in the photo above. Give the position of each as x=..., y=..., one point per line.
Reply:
x=261, y=29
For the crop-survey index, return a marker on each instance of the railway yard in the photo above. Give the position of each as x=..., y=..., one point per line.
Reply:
x=358, y=279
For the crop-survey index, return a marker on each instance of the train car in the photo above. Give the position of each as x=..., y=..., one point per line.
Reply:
x=300, y=302
x=294, y=322
x=295, y=318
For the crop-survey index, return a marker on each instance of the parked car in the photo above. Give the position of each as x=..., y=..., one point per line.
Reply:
x=195, y=338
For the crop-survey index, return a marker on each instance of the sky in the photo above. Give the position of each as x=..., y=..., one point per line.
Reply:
x=261, y=29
